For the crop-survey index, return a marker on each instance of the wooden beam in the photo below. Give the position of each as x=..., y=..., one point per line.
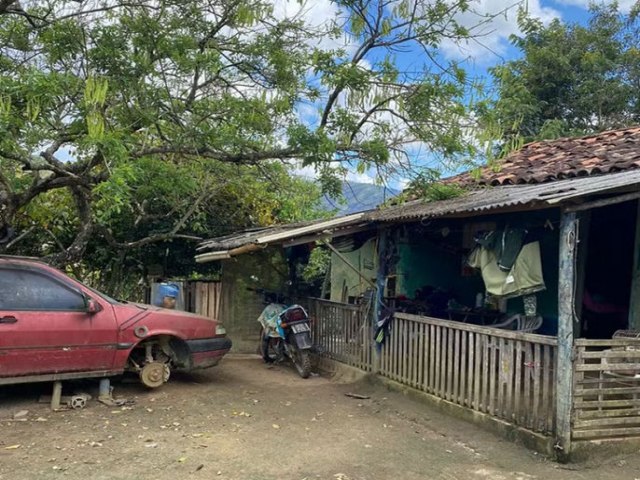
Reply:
x=604, y=202
x=634, y=307
x=212, y=256
x=566, y=309
x=314, y=227
x=324, y=235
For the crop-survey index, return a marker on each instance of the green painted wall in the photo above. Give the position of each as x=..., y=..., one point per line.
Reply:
x=426, y=256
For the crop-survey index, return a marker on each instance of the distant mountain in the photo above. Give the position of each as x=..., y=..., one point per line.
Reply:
x=359, y=197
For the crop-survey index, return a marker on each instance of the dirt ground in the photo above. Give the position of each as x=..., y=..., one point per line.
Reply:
x=243, y=420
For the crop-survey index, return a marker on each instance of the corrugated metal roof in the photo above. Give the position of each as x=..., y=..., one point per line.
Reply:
x=279, y=233
x=501, y=197
x=490, y=199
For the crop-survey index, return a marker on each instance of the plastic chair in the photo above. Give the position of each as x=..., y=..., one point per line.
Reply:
x=520, y=323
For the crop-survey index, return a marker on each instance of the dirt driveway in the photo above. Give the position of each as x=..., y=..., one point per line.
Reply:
x=243, y=420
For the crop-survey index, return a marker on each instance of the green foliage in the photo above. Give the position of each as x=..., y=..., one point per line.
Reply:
x=317, y=266
x=125, y=128
x=571, y=79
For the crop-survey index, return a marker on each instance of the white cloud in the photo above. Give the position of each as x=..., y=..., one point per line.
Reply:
x=492, y=35
x=623, y=5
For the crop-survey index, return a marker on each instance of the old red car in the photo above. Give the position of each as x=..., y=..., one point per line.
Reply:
x=54, y=328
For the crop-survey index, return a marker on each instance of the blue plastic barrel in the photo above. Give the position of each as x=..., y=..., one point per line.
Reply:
x=167, y=290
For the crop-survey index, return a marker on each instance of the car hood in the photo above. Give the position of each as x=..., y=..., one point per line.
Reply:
x=170, y=312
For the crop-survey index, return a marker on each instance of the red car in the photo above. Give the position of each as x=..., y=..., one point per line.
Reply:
x=54, y=328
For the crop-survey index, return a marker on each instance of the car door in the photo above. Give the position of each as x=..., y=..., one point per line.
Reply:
x=45, y=326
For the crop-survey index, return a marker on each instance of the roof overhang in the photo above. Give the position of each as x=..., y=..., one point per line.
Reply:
x=286, y=236
x=568, y=194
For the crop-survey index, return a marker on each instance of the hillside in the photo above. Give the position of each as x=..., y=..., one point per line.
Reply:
x=359, y=197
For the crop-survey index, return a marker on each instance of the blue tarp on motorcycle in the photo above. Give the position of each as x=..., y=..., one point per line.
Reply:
x=269, y=318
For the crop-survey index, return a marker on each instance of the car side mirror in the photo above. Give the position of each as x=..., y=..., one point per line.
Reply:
x=91, y=305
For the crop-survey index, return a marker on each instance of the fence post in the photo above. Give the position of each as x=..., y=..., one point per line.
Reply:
x=564, y=359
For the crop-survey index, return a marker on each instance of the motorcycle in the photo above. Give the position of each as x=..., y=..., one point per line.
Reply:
x=286, y=335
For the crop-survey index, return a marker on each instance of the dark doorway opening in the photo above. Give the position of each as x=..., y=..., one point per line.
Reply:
x=608, y=270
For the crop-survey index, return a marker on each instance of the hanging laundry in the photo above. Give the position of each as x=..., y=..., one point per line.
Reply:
x=506, y=244
x=524, y=277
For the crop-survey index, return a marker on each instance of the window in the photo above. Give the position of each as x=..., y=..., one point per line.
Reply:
x=27, y=290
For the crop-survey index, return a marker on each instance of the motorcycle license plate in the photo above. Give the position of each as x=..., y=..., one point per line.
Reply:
x=300, y=327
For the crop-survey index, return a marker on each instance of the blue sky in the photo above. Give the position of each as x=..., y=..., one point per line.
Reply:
x=478, y=57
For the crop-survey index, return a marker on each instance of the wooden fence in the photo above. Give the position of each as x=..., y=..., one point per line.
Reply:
x=606, y=399
x=342, y=332
x=506, y=374
x=202, y=298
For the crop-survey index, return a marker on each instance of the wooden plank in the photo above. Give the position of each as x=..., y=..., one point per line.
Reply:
x=405, y=352
x=494, y=332
x=477, y=372
x=420, y=355
x=411, y=354
x=437, y=390
x=608, y=367
x=455, y=374
x=396, y=344
x=485, y=374
x=589, y=392
x=464, y=347
x=606, y=380
x=607, y=403
x=424, y=356
x=612, y=342
x=470, y=368
x=493, y=373
x=620, y=412
x=613, y=354
x=546, y=387
x=518, y=394
x=607, y=422
x=537, y=390
x=500, y=384
x=526, y=396
x=432, y=358
x=605, y=432
x=448, y=372
x=509, y=377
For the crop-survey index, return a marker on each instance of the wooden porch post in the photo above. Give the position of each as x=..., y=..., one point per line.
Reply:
x=378, y=301
x=564, y=359
x=634, y=307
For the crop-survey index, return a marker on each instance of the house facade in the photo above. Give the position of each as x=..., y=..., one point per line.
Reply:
x=517, y=302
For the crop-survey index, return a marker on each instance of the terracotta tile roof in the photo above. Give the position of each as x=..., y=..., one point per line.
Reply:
x=549, y=160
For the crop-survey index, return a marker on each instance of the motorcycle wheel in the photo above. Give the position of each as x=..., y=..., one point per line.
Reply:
x=271, y=349
x=302, y=362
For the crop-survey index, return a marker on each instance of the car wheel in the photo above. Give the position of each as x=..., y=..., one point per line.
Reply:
x=154, y=374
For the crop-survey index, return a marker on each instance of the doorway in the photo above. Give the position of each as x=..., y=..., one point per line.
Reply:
x=608, y=270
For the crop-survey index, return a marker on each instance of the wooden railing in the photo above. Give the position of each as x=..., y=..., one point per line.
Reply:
x=341, y=332
x=506, y=374
x=606, y=399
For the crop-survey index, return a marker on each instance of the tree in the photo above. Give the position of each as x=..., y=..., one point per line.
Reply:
x=571, y=79
x=95, y=94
